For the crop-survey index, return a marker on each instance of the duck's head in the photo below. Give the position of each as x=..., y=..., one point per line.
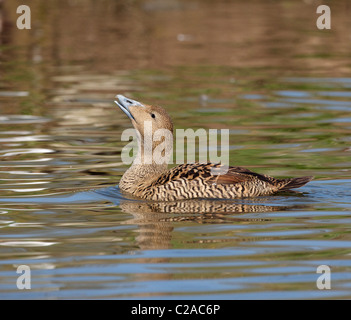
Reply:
x=141, y=114
x=154, y=127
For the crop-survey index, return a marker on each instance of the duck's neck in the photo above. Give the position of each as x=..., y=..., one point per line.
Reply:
x=140, y=176
x=145, y=169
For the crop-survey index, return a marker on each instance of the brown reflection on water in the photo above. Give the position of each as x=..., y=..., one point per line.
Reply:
x=110, y=35
x=156, y=220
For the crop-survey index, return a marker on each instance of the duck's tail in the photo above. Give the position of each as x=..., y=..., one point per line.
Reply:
x=295, y=183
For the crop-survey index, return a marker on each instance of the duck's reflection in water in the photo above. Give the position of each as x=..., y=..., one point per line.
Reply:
x=156, y=220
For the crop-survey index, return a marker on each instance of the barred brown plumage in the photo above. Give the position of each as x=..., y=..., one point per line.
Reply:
x=149, y=179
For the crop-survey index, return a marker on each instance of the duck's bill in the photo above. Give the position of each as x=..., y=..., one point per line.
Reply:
x=125, y=103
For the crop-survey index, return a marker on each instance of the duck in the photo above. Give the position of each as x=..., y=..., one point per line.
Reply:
x=149, y=178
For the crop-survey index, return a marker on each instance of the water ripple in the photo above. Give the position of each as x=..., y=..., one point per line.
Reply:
x=19, y=119
x=16, y=152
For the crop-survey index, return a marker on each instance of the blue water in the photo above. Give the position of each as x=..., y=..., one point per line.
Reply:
x=90, y=252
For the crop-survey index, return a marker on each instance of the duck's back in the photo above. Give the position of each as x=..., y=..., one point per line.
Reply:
x=209, y=180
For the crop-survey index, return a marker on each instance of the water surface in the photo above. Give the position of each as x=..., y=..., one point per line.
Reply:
x=262, y=70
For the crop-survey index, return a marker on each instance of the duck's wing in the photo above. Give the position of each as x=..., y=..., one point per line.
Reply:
x=210, y=173
x=239, y=175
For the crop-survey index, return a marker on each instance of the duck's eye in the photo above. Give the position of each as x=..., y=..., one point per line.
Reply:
x=153, y=115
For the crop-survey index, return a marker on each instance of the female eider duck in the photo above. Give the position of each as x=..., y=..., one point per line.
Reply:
x=148, y=178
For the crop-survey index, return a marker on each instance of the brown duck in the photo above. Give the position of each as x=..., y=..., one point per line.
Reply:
x=149, y=179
